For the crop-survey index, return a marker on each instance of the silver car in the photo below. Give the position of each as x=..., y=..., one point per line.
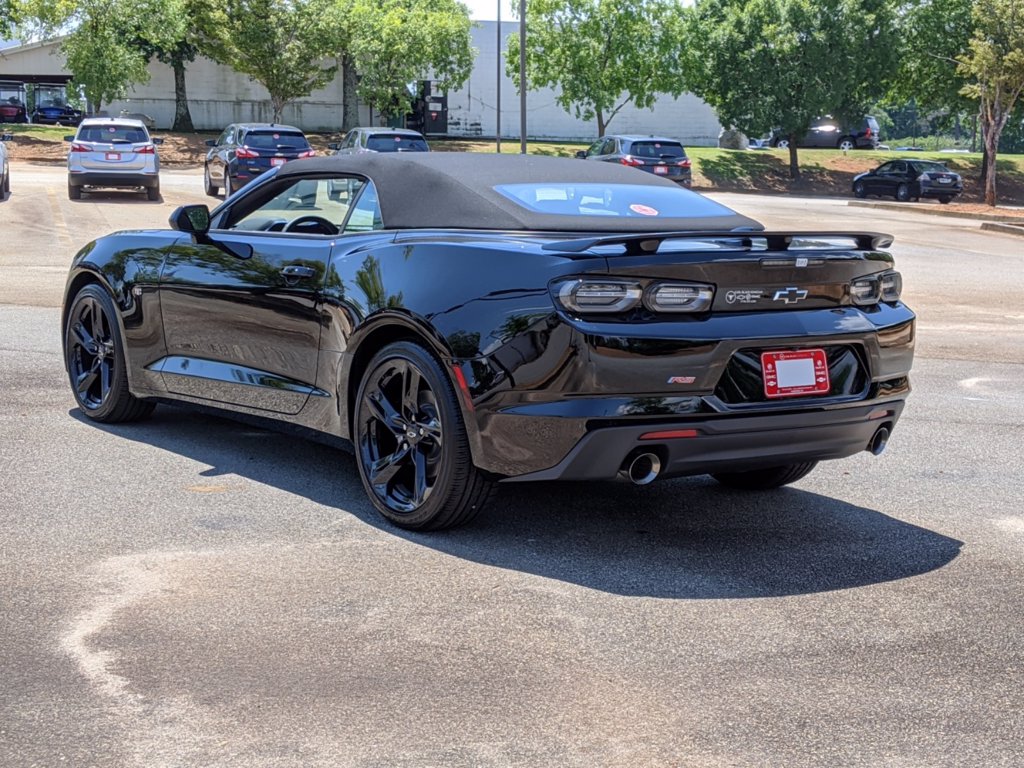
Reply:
x=5, y=168
x=113, y=152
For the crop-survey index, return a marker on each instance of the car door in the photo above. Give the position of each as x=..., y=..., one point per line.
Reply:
x=242, y=326
x=875, y=182
x=218, y=164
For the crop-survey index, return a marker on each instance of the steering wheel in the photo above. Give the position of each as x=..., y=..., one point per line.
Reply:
x=311, y=225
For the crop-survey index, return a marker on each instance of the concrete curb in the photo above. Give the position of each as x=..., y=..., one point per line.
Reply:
x=1010, y=229
x=939, y=210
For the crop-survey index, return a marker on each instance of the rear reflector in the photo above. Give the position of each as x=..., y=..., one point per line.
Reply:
x=670, y=434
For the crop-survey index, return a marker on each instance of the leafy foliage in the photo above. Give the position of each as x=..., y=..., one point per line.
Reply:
x=393, y=43
x=281, y=44
x=994, y=65
x=934, y=34
x=778, y=64
x=601, y=55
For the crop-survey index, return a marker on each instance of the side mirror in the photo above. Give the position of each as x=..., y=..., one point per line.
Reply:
x=334, y=145
x=69, y=138
x=157, y=141
x=581, y=154
x=211, y=142
x=191, y=218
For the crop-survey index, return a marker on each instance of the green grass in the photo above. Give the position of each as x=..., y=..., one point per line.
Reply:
x=39, y=132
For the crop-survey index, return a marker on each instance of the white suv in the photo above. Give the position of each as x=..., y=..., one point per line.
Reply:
x=113, y=152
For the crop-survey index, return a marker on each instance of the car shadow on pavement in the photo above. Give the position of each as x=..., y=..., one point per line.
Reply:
x=687, y=538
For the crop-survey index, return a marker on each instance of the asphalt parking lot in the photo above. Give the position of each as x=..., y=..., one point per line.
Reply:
x=195, y=592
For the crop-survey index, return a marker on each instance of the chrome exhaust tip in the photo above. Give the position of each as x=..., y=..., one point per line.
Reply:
x=879, y=441
x=642, y=468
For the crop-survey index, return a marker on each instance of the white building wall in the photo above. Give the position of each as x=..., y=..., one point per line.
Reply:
x=218, y=95
x=472, y=110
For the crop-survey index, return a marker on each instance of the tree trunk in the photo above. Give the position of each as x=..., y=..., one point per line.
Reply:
x=982, y=125
x=991, y=144
x=794, y=166
x=349, y=100
x=182, y=117
x=601, y=125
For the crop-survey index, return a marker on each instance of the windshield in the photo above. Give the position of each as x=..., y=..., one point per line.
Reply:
x=623, y=200
x=274, y=140
x=393, y=142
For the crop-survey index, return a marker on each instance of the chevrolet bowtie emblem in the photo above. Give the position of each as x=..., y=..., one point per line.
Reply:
x=790, y=295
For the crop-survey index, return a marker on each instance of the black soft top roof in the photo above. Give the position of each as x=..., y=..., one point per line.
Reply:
x=455, y=190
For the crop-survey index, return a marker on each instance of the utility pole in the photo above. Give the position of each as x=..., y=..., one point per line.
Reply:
x=522, y=77
x=497, y=120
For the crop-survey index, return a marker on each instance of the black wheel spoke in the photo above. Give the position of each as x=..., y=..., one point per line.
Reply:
x=432, y=428
x=97, y=322
x=84, y=339
x=420, y=489
x=383, y=470
x=84, y=382
x=411, y=381
x=384, y=412
x=104, y=379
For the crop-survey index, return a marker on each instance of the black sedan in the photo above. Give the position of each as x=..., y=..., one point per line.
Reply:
x=468, y=320
x=909, y=180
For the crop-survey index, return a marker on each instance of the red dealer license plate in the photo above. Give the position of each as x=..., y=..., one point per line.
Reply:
x=797, y=372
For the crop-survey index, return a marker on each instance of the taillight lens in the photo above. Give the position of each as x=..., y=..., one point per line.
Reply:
x=245, y=153
x=599, y=295
x=76, y=147
x=308, y=153
x=149, y=149
x=684, y=163
x=679, y=297
x=870, y=290
x=631, y=161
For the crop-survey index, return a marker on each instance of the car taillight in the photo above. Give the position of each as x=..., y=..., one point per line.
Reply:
x=599, y=295
x=76, y=147
x=870, y=290
x=684, y=163
x=679, y=297
x=631, y=161
x=245, y=153
x=869, y=134
x=149, y=149
x=308, y=153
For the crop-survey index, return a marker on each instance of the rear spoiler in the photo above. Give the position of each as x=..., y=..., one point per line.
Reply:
x=649, y=242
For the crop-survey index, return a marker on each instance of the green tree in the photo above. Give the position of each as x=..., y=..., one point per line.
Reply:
x=8, y=18
x=100, y=49
x=282, y=44
x=778, y=64
x=600, y=55
x=395, y=43
x=994, y=64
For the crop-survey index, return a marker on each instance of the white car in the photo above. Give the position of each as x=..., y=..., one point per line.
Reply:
x=113, y=152
x=5, y=168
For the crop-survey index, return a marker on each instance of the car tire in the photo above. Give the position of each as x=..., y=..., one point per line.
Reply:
x=74, y=193
x=859, y=190
x=5, y=187
x=411, y=445
x=782, y=144
x=228, y=186
x=765, y=479
x=208, y=184
x=945, y=200
x=153, y=193
x=903, y=193
x=95, y=359
x=847, y=145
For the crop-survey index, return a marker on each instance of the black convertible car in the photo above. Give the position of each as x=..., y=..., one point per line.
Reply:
x=466, y=320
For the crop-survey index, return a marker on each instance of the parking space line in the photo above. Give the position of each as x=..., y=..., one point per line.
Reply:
x=60, y=223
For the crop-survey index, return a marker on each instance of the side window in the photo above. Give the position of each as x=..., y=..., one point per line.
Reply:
x=884, y=170
x=365, y=215
x=899, y=168
x=609, y=147
x=595, y=148
x=322, y=204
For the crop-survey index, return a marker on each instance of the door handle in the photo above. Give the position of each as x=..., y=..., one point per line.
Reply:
x=297, y=272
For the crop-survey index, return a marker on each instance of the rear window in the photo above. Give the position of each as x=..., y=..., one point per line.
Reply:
x=622, y=200
x=662, y=149
x=113, y=133
x=275, y=140
x=393, y=142
x=928, y=167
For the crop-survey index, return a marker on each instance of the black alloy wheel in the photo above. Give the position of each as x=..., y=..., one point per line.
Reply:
x=95, y=359
x=903, y=193
x=859, y=190
x=411, y=445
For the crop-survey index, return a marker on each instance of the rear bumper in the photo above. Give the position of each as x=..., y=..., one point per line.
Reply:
x=944, y=191
x=731, y=444
x=103, y=179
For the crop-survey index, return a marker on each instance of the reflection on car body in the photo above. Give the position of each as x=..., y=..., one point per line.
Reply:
x=530, y=319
